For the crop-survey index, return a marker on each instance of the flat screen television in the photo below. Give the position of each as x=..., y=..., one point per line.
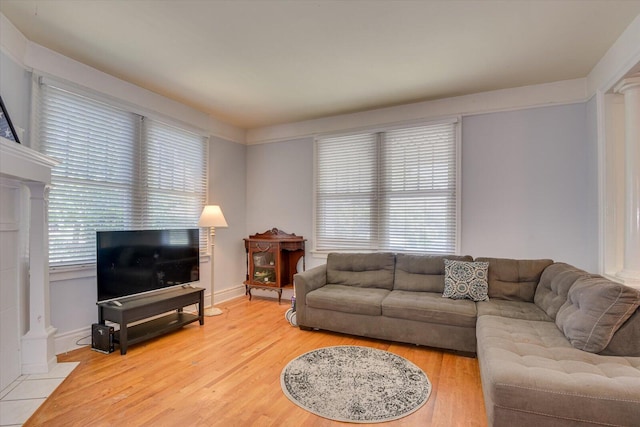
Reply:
x=136, y=262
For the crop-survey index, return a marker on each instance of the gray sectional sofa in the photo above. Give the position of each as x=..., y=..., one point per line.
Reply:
x=557, y=346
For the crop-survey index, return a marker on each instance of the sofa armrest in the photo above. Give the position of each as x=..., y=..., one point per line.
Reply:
x=304, y=283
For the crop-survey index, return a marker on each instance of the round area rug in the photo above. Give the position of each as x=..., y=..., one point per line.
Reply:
x=355, y=384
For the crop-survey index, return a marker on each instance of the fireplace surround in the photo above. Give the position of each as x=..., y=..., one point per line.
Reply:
x=26, y=336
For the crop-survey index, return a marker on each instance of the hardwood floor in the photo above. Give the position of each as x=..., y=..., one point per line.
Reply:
x=227, y=373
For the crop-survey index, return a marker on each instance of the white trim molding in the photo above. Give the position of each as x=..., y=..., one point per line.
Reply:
x=228, y=294
x=71, y=340
x=556, y=93
x=630, y=89
x=618, y=62
x=621, y=61
x=12, y=41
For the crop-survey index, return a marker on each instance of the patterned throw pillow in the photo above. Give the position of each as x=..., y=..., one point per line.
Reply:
x=464, y=279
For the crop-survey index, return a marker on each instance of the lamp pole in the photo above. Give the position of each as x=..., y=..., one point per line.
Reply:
x=212, y=217
x=212, y=311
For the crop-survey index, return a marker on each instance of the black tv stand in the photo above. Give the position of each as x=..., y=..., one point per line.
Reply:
x=145, y=306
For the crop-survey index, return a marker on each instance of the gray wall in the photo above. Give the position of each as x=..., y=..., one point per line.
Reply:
x=280, y=187
x=73, y=304
x=15, y=89
x=592, y=213
x=529, y=187
x=227, y=182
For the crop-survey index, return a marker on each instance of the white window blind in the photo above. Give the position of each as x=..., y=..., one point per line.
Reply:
x=418, y=189
x=93, y=187
x=393, y=190
x=118, y=171
x=346, y=192
x=174, y=180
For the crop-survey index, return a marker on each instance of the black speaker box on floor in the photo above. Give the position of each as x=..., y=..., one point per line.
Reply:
x=102, y=338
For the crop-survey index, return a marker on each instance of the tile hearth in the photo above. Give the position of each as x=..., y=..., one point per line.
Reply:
x=24, y=396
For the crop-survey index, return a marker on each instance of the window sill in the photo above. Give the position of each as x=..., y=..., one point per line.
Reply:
x=323, y=254
x=59, y=274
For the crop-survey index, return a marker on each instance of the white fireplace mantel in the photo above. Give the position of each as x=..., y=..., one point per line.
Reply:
x=23, y=163
x=31, y=171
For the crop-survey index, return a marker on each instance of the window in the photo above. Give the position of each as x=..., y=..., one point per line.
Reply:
x=118, y=171
x=174, y=178
x=394, y=190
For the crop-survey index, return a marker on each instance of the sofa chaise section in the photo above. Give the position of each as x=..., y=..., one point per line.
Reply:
x=531, y=375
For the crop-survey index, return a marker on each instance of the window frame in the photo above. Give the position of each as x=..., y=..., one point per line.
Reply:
x=84, y=269
x=457, y=123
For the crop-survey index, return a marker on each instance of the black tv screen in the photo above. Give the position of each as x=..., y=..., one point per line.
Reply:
x=135, y=262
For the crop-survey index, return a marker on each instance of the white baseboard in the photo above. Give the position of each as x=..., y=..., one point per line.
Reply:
x=72, y=340
x=226, y=294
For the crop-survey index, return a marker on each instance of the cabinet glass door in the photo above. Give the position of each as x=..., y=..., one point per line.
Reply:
x=264, y=270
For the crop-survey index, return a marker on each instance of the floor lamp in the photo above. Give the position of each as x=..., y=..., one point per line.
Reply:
x=212, y=217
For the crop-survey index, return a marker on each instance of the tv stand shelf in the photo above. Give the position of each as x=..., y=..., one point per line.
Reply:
x=146, y=306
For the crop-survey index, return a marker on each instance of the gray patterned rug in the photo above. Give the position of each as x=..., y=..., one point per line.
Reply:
x=355, y=384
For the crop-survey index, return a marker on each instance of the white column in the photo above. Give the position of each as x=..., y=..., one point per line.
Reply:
x=630, y=88
x=38, y=351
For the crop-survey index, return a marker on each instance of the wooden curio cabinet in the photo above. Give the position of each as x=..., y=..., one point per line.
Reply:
x=272, y=259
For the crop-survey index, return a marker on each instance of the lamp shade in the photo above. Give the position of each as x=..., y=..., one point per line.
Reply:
x=212, y=216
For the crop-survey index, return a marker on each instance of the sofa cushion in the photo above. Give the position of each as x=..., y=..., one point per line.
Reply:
x=531, y=375
x=555, y=282
x=626, y=340
x=511, y=309
x=422, y=272
x=429, y=307
x=374, y=270
x=594, y=310
x=465, y=280
x=514, y=279
x=348, y=299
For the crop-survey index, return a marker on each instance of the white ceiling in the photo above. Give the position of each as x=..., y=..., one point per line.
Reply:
x=258, y=63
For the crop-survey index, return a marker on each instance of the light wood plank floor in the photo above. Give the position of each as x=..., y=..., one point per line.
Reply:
x=227, y=373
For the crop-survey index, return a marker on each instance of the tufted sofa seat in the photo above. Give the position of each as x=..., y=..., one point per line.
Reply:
x=531, y=375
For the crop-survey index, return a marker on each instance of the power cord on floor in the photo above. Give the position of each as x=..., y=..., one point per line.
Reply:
x=78, y=343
